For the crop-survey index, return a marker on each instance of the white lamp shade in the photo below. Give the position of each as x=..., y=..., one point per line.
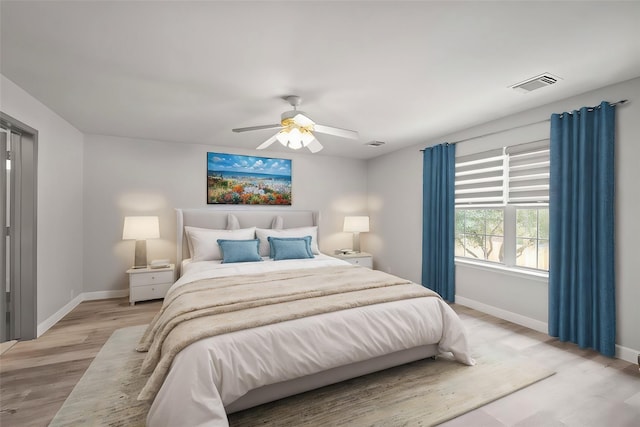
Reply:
x=356, y=224
x=141, y=228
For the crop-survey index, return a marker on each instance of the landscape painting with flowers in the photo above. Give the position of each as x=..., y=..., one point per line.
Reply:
x=248, y=180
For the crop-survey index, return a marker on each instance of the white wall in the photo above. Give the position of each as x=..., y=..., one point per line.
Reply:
x=60, y=145
x=140, y=177
x=395, y=203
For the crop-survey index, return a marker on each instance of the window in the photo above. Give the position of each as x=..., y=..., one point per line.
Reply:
x=502, y=211
x=480, y=234
x=532, y=238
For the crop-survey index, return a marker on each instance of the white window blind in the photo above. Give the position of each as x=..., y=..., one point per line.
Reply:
x=510, y=175
x=479, y=178
x=528, y=178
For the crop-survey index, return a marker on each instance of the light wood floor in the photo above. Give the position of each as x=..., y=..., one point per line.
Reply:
x=588, y=389
x=37, y=376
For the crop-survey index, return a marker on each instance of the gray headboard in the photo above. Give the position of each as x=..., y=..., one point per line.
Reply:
x=217, y=219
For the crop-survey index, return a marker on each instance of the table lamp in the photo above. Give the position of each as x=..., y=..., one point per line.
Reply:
x=356, y=225
x=141, y=228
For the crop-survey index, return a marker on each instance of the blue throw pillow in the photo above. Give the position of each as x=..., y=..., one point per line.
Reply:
x=290, y=247
x=239, y=250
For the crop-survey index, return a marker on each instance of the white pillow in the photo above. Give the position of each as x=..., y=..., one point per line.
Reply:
x=203, y=242
x=264, y=233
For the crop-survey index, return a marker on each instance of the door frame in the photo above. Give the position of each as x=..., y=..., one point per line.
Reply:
x=23, y=225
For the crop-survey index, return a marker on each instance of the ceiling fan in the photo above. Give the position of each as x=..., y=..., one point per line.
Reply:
x=296, y=129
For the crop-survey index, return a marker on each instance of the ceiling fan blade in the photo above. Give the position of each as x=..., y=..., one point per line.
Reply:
x=330, y=130
x=267, y=143
x=314, y=146
x=275, y=126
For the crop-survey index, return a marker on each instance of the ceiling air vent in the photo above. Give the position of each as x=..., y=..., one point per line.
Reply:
x=374, y=143
x=536, y=82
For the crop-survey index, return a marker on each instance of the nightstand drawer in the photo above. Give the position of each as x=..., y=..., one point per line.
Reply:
x=364, y=261
x=151, y=278
x=147, y=292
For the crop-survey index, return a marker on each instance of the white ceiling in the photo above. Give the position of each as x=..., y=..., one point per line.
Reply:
x=399, y=72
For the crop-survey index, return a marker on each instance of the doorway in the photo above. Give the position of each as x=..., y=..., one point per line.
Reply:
x=18, y=202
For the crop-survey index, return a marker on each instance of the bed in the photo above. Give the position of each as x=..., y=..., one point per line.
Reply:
x=233, y=335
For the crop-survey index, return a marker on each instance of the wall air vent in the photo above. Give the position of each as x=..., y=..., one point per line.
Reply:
x=536, y=82
x=374, y=143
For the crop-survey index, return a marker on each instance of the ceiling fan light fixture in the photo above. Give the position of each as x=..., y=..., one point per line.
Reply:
x=303, y=121
x=295, y=132
x=296, y=129
x=295, y=145
x=292, y=137
x=283, y=137
x=295, y=138
x=307, y=137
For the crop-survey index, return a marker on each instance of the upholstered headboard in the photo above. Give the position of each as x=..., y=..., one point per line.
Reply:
x=217, y=219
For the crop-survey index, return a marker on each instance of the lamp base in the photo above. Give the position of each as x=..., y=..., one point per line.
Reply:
x=140, y=259
x=356, y=242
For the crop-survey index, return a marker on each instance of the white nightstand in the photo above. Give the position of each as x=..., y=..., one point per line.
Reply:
x=149, y=283
x=360, y=258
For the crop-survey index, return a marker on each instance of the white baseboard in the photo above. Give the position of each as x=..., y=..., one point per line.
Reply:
x=627, y=354
x=90, y=296
x=58, y=315
x=623, y=353
x=519, y=319
x=85, y=296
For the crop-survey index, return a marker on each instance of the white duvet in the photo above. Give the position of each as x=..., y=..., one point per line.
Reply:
x=212, y=373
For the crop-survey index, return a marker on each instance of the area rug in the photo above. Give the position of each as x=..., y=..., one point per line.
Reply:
x=426, y=392
x=106, y=394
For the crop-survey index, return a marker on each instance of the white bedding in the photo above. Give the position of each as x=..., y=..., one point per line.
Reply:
x=212, y=373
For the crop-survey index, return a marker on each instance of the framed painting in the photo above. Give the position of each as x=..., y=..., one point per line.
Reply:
x=248, y=180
